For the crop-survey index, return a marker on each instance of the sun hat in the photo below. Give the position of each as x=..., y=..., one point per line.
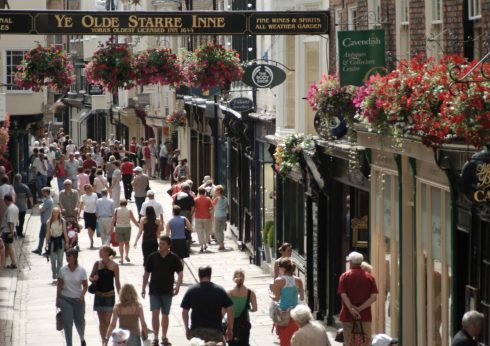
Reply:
x=138, y=169
x=119, y=335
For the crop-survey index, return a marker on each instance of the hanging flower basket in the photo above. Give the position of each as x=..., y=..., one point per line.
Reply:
x=332, y=102
x=288, y=156
x=45, y=66
x=158, y=66
x=176, y=119
x=112, y=66
x=213, y=65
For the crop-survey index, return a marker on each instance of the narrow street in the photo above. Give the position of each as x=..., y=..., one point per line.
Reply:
x=27, y=295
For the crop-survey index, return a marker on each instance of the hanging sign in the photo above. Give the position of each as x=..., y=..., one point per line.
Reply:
x=167, y=23
x=241, y=104
x=263, y=76
x=476, y=178
x=361, y=54
x=95, y=89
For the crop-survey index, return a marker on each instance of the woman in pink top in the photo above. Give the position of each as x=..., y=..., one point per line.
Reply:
x=83, y=179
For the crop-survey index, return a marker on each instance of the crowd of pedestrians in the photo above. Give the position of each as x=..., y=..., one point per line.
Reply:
x=89, y=181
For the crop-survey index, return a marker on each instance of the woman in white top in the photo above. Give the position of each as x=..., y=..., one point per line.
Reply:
x=100, y=183
x=56, y=240
x=87, y=204
x=121, y=219
x=70, y=296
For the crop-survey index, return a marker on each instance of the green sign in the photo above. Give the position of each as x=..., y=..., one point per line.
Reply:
x=361, y=54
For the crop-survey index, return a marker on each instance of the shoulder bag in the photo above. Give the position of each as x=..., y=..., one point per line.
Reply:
x=241, y=324
x=278, y=316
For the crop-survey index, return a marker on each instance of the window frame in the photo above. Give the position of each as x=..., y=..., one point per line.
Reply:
x=472, y=4
x=351, y=18
x=13, y=89
x=424, y=281
x=404, y=13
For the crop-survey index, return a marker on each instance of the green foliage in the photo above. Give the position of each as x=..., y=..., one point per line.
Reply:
x=266, y=232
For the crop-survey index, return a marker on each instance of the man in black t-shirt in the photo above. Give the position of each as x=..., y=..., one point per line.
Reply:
x=162, y=265
x=206, y=300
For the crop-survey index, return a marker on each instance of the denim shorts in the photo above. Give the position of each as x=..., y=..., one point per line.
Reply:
x=162, y=302
x=104, y=303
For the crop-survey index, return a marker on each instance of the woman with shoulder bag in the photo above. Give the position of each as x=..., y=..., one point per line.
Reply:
x=70, y=296
x=56, y=241
x=104, y=274
x=129, y=312
x=242, y=297
x=285, y=290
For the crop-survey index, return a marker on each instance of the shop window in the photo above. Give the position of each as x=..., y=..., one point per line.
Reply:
x=385, y=244
x=13, y=58
x=293, y=215
x=434, y=300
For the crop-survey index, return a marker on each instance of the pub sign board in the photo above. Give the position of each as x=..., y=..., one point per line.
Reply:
x=95, y=89
x=167, y=23
x=475, y=178
x=263, y=76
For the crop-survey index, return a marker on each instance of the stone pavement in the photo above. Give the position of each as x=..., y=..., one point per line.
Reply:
x=27, y=295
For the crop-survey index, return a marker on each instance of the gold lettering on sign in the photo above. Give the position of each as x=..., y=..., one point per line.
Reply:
x=208, y=22
x=100, y=22
x=483, y=175
x=154, y=22
x=6, y=20
x=63, y=21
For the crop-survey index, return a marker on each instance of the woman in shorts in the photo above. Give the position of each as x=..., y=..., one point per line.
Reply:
x=121, y=219
x=105, y=274
x=88, y=202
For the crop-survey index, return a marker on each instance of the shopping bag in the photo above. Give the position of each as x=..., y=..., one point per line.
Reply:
x=97, y=229
x=114, y=242
x=358, y=338
x=59, y=320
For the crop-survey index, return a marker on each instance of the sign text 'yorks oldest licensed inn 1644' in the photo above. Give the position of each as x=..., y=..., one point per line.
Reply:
x=168, y=23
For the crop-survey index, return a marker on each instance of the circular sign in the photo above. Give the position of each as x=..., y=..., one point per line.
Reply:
x=241, y=104
x=262, y=76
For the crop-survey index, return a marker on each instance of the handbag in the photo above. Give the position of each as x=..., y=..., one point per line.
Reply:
x=339, y=337
x=114, y=242
x=97, y=229
x=358, y=338
x=278, y=316
x=188, y=234
x=92, y=288
x=59, y=320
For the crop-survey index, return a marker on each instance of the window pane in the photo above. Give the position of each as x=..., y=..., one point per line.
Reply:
x=387, y=212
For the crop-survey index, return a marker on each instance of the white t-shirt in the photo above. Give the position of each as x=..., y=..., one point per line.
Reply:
x=72, y=281
x=89, y=202
x=153, y=203
x=100, y=183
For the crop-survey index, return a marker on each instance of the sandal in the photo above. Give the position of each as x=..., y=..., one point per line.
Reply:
x=127, y=259
x=165, y=342
x=155, y=342
x=11, y=266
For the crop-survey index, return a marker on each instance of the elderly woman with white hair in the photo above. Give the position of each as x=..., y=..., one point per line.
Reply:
x=310, y=332
x=472, y=324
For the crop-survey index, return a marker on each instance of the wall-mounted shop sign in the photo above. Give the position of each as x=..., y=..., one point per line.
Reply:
x=241, y=104
x=361, y=54
x=263, y=76
x=476, y=177
x=95, y=89
x=168, y=23
x=184, y=90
